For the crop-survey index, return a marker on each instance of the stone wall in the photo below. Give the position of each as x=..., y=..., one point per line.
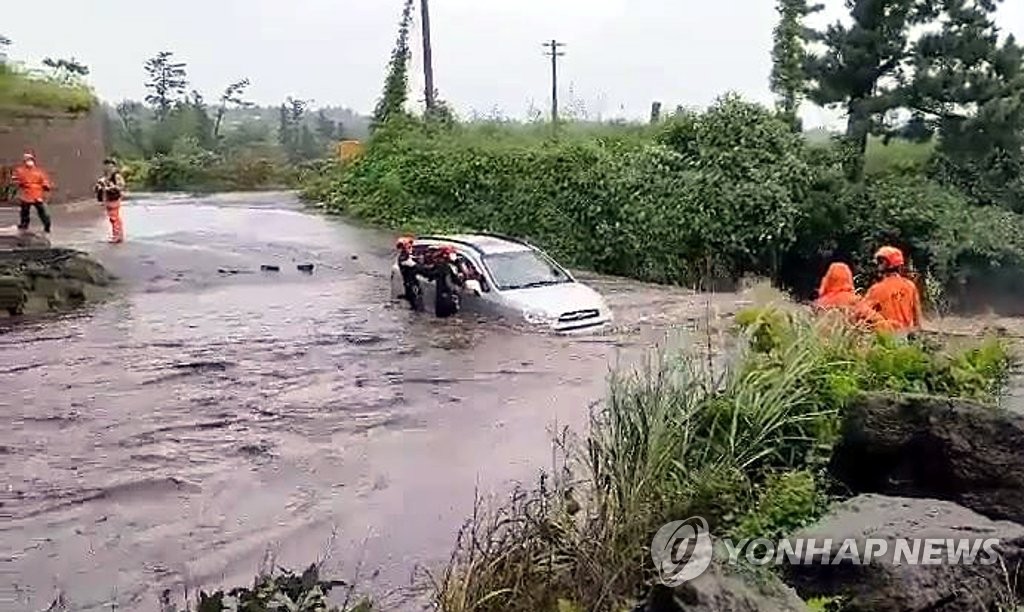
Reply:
x=71, y=149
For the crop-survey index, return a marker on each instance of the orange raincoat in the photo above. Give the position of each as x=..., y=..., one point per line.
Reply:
x=893, y=304
x=836, y=290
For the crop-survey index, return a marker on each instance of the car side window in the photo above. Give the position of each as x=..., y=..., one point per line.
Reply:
x=473, y=271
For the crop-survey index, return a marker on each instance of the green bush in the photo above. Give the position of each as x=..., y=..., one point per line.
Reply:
x=700, y=196
x=679, y=208
x=202, y=170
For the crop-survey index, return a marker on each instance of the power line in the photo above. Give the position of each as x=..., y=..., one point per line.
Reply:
x=553, y=51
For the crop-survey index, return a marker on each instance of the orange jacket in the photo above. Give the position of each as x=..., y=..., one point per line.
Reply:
x=893, y=304
x=32, y=183
x=836, y=290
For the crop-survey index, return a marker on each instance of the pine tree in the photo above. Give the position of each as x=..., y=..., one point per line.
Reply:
x=396, y=84
x=167, y=83
x=861, y=65
x=788, y=79
x=969, y=87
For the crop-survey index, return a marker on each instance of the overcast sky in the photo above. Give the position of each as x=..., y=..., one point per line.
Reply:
x=621, y=54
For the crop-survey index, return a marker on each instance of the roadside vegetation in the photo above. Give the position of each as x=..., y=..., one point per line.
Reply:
x=57, y=88
x=737, y=188
x=746, y=448
x=930, y=161
x=178, y=140
x=275, y=589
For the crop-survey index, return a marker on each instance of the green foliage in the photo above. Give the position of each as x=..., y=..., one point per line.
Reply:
x=167, y=83
x=826, y=604
x=28, y=90
x=703, y=198
x=396, y=85
x=788, y=80
x=944, y=63
x=783, y=504
x=745, y=449
x=272, y=591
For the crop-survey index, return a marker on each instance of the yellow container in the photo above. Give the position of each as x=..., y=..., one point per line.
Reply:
x=349, y=150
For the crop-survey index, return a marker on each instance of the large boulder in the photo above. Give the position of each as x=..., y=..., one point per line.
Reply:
x=722, y=589
x=920, y=446
x=36, y=281
x=885, y=585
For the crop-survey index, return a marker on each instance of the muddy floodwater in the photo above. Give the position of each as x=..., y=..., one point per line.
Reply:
x=211, y=412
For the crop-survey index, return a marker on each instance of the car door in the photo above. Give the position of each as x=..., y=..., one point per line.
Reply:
x=477, y=304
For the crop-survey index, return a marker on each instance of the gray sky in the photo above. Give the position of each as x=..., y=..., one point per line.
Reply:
x=487, y=53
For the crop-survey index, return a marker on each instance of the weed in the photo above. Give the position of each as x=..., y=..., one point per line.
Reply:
x=745, y=449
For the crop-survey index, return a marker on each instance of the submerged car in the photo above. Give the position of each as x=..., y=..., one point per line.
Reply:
x=517, y=282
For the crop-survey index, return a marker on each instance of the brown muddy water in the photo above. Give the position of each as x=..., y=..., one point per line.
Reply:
x=212, y=413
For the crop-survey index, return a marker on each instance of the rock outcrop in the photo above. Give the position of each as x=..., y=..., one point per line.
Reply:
x=919, y=446
x=41, y=280
x=719, y=589
x=888, y=584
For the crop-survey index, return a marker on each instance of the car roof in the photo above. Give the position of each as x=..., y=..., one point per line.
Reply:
x=483, y=243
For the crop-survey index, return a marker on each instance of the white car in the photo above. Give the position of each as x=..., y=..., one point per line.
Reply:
x=517, y=282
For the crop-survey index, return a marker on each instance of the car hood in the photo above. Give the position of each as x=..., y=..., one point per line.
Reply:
x=555, y=300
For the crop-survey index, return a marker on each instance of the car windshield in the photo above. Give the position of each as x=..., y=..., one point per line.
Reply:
x=523, y=269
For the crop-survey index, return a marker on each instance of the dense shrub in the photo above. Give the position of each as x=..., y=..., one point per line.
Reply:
x=202, y=170
x=709, y=195
x=700, y=198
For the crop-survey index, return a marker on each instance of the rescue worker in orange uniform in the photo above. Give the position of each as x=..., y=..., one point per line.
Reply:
x=33, y=185
x=836, y=289
x=893, y=304
x=110, y=190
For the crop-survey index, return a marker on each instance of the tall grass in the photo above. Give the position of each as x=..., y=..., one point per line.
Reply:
x=24, y=90
x=745, y=448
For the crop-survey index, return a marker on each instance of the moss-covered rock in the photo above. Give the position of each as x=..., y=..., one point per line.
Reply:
x=42, y=280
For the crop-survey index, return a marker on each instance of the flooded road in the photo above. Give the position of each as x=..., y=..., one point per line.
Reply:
x=171, y=437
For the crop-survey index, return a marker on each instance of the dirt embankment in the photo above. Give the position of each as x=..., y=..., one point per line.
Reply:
x=70, y=148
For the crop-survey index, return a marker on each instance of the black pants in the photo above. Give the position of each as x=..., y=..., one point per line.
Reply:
x=413, y=291
x=26, y=215
x=446, y=304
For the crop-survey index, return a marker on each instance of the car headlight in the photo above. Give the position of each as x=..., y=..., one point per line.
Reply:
x=538, y=317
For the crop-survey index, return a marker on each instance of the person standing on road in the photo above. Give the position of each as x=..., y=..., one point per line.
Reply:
x=33, y=185
x=110, y=190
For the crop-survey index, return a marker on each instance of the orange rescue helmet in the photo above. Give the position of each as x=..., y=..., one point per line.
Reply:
x=891, y=257
x=404, y=243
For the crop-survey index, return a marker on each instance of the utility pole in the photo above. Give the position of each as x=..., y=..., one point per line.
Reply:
x=554, y=53
x=428, y=62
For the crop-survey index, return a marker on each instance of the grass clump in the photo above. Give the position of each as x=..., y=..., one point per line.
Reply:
x=20, y=90
x=745, y=448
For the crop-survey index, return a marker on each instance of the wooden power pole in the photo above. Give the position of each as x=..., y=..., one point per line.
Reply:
x=428, y=62
x=554, y=52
